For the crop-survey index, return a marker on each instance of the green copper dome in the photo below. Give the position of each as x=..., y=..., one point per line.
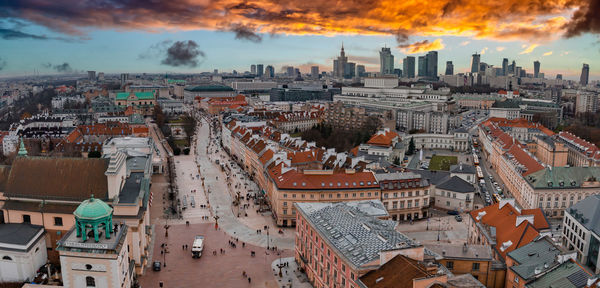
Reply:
x=93, y=209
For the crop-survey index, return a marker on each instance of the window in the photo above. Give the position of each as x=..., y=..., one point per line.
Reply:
x=90, y=281
x=26, y=218
x=475, y=267
x=450, y=265
x=58, y=221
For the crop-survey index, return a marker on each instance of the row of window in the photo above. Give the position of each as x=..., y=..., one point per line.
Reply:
x=58, y=221
x=339, y=195
x=409, y=204
x=404, y=194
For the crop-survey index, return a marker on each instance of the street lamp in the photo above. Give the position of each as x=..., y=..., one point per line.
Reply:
x=267, y=238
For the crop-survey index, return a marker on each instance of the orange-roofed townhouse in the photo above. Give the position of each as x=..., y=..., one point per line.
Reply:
x=581, y=152
x=288, y=186
x=505, y=227
x=381, y=144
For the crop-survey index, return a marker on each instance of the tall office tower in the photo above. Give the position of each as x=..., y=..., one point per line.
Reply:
x=349, y=70
x=523, y=73
x=253, y=69
x=518, y=71
x=314, y=72
x=297, y=72
x=101, y=76
x=339, y=64
x=386, y=61
x=559, y=76
x=408, y=67
x=475, y=60
x=360, y=70
x=505, y=67
x=270, y=71
x=585, y=75
x=536, y=69
x=398, y=72
x=259, y=70
x=432, y=64
x=449, y=68
x=92, y=75
x=289, y=71
x=422, y=63
x=483, y=67
x=514, y=68
x=124, y=79
x=216, y=71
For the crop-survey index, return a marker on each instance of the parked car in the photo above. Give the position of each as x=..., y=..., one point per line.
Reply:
x=156, y=266
x=458, y=218
x=452, y=212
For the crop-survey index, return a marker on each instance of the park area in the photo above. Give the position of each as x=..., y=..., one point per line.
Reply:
x=439, y=162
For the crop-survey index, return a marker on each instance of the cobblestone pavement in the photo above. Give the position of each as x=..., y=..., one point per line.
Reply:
x=221, y=198
x=427, y=231
x=290, y=276
x=222, y=270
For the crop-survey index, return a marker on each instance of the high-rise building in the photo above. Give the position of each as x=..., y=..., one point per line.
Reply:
x=559, y=76
x=350, y=70
x=360, y=70
x=124, y=79
x=585, y=75
x=314, y=72
x=253, y=69
x=92, y=75
x=216, y=71
x=297, y=72
x=422, y=63
x=289, y=71
x=101, y=76
x=536, y=69
x=432, y=64
x=386, y=61
x=586, y=102
x=408, y=67
x=505, y=67
x=398, y=72
x=339, y=64
x=475, y=60
x=518, y=70
x=259, y=70
x=270, y=71
x=449, y=68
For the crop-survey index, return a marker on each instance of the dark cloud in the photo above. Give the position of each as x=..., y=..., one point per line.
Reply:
x=63, y=68
x=585, y=19
x=155, y=50
x=514, y=19
x=245, y=33
x=2, y=63
x=11, y=34
x=183, y=53
x=47, y=65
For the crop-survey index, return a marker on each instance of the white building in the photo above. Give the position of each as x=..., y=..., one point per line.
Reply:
x=22, y=251
x=457, y=141
x=9, y=144
x=387, y=81
x=581, y=231
x=454, y=194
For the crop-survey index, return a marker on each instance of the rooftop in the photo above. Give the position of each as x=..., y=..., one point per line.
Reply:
x=209, y=88
x=356, y=234
x=399, y=272
x=70, y=242
x=463, y=168
x=587, y=212
x=567, y=275
x=458, y=251
x=535, y=258
x=456, y=184
x=565, y=178
x=19, y=234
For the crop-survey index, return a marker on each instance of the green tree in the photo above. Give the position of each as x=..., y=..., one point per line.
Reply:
x=411, y=147
x=177, y=151
x=186, y=151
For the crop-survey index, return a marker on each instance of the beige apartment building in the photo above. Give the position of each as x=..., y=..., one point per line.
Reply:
x=404, y=195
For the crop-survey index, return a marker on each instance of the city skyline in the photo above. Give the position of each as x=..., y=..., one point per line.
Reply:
x=40, y=38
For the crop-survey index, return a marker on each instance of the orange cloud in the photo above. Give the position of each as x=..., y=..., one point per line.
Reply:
x=422, y=46
x=547, y=53
x=248, y=19
x=529, y=49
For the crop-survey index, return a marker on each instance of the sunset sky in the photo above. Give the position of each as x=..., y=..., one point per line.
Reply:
x=135, y=36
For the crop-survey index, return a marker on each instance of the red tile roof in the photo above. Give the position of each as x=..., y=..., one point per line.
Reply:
x=505, y=219
x=527, y=161
x=589, y=149
x=294, y=180
x=383, y=138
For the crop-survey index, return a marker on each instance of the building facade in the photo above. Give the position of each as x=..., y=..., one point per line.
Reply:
x=404, y=195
